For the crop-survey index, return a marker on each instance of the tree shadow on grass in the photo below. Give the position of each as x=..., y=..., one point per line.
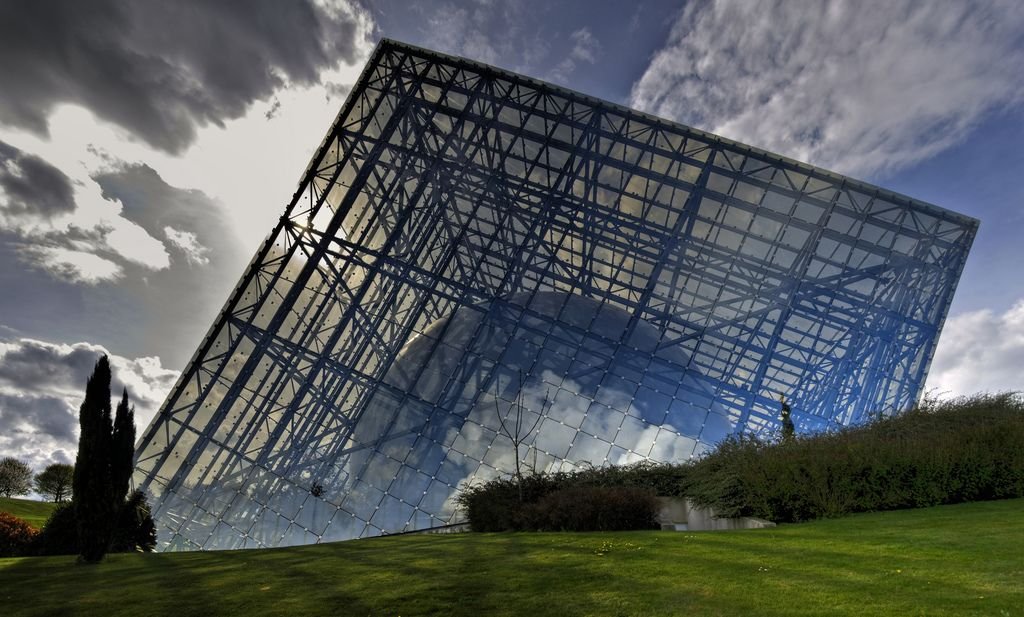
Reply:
x=182, y=585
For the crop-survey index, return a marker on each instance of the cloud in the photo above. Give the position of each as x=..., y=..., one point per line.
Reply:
x=162, y=70
x=191, y=222
x=59, y=222
x=41, y=388
x=980, y=351
x=72, y=265
x=48, y=416
x=140, y=308
x=188, y=244
x=498, y=33
x=30, y=185
x=274, y=108
x=860, y=88
x=585, y=48
x=128, y=215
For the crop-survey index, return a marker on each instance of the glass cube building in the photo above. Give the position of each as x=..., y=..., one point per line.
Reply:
x=466, y=239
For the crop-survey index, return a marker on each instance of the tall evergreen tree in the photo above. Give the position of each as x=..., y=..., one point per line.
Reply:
x=95, y=511
x=122, y=451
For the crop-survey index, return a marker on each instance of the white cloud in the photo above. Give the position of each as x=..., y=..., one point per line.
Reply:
x=585, y=48
x=251, y=164
x=41, y=388
x=858, y=87
x=188, y=243
x=980, y=351
x=82, y=243
x=72, y=265
x=498, y=33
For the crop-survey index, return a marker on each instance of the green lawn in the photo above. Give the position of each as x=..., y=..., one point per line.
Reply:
x=951, y=560
x=34, y=513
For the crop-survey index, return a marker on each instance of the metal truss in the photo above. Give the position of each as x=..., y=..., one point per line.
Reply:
x=461, y=225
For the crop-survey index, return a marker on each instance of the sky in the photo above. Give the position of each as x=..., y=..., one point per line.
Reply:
x=147, y=148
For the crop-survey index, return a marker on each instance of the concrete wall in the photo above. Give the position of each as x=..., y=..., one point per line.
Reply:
x=680, y=514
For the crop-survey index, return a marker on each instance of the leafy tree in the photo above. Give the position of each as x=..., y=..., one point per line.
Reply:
x=15, y=477
x=95, y=510
x=55, y=481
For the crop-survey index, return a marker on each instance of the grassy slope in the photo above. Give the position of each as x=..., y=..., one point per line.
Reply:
x=34, y=513
x=949, y=560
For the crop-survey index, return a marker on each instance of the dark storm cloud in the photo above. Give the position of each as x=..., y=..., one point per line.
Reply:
x=33, y=368
x=31, y=185
x=48, y=415
x=31, y=364
x=161, y=69
x=41, y=388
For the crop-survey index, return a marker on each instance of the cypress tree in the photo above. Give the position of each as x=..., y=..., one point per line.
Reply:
x=95, y=511
x=122, y=449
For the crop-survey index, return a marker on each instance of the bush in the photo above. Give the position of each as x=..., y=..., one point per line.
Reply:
x=963, y=450
x=495, y=505
x=593, y=508
x=134, y=530
x=60, y=533
x=16, y=536
x=968, y=449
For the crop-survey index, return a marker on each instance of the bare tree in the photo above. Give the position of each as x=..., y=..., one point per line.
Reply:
x=513, y=423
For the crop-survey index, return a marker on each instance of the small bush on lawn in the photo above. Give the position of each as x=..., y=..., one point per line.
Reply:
x=135, y=529
x=60, y=533
x=16, y=536
x=495, y=505
x=593, y=508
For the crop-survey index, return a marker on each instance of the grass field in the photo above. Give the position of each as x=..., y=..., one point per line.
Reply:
x=949, y=560
x=34, y=513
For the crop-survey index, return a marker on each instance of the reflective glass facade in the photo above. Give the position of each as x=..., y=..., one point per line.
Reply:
x=464, y=234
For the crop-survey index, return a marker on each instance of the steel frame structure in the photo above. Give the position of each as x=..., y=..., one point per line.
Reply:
x=464, y=233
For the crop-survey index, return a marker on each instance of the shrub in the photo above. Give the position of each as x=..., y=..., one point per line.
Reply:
x=134, y=530
x=495, y=505
x=593, y=508
x=16, y=536
x=963, y=450
x=967, y=449
x=60, y=533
